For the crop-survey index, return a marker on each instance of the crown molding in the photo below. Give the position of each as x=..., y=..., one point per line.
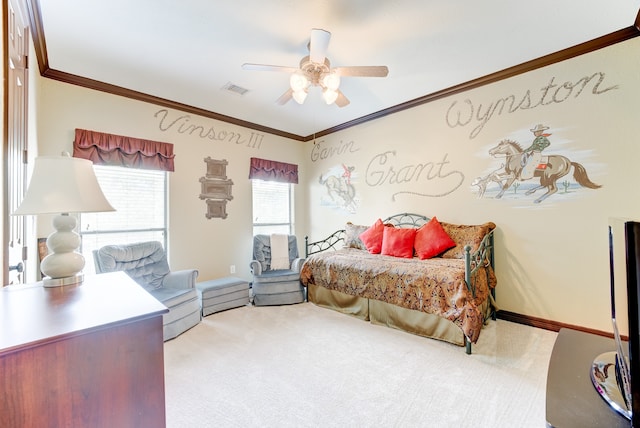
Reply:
x=37, y=31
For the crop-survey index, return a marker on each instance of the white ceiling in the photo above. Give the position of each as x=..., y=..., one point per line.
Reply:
x=186, y=51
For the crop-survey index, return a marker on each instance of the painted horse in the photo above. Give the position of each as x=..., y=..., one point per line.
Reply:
x=340, y=190
x=556, y=167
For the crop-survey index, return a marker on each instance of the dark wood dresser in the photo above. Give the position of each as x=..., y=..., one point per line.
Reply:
x=88, y=355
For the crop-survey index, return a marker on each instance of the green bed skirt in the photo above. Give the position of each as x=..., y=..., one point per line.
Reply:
x=382, y=313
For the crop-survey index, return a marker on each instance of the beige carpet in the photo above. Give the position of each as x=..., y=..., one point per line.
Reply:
x=305, y=366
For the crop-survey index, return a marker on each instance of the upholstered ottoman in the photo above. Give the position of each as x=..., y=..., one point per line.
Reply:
x=222, y=294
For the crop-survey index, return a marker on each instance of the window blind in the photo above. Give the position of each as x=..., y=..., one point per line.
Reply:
x=139, y=197
x=271, y=207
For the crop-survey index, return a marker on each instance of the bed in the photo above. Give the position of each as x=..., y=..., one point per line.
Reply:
x=448, y=297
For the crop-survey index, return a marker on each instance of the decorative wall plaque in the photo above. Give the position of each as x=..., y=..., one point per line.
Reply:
x=216, y=168
x=216, y=208
x=216, y=188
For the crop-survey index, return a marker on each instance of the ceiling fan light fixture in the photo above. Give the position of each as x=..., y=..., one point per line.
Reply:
x=315, y=70
x=299, y=96
x=298, y=82
x=331, y=81
x=330, y=96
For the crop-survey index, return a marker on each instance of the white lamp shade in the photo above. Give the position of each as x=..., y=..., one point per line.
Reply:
x=62, y=184
x=331, y=81
x=329, y=96
x=299, y=96
x=298, y=81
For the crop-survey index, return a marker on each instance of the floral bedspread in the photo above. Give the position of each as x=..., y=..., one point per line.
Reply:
x=435, y=286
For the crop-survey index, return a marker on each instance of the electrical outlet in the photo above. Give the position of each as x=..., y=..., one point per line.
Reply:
x=232, y=269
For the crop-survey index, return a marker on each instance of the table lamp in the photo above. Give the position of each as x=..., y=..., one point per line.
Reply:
x=63, y=185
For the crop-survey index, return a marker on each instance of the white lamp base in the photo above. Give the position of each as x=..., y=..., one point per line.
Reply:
x=60, y=282
x=64, y=265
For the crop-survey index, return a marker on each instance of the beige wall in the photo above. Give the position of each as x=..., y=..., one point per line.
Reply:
x=552, y=257
x=210, y=245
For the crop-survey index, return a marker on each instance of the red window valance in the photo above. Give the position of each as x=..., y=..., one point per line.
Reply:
x=269, y=170
x=117, y=150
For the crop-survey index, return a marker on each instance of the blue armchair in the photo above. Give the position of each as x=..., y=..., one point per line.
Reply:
x=275, y=286
x=146, y=263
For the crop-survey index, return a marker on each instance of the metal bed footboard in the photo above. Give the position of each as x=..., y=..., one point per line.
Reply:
x=482, y=257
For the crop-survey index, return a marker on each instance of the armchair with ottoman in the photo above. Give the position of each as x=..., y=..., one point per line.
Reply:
x=146, y=263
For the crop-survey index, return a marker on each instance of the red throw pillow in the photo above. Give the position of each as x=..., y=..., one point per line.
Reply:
x=431, y=240
x=372, y=237
x=398, y=242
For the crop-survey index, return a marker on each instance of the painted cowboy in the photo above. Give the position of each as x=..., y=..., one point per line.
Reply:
x=347, y=173
x=533, y=154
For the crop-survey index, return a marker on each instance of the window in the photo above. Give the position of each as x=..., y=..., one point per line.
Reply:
x=272, y=205
x=140, y=199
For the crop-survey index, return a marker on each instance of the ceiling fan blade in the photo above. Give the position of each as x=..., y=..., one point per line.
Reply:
x=284, y=98
x=363, y=71
x=265, y=67
x=318, y=45
x=342, y=101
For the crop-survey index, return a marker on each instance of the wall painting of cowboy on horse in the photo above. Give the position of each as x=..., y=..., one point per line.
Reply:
x=531, y=170
x=340, y=191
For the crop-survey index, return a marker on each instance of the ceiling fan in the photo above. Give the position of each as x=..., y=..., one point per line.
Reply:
x=315, y=70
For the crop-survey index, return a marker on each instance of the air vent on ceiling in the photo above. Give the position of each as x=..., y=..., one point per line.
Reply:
x=238, y=90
